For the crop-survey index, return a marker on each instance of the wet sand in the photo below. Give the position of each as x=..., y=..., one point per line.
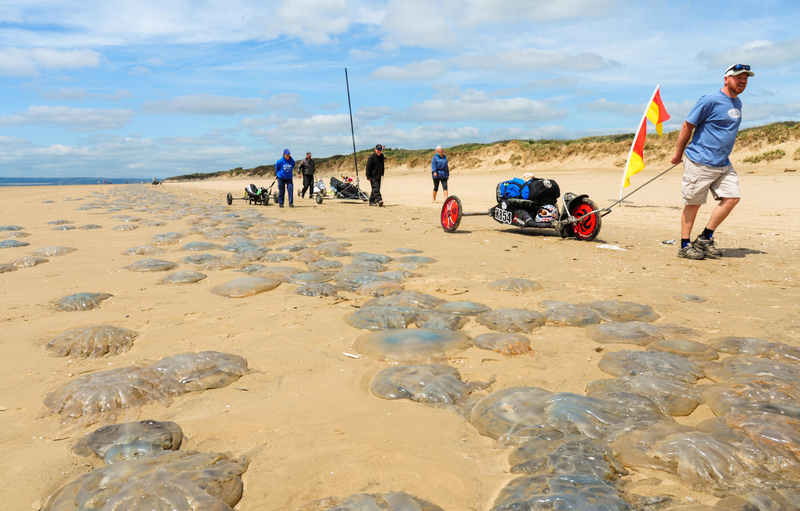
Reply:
x=306, y=410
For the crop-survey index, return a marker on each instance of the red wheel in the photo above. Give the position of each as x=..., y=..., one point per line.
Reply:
x=451, y=214
x=588, y=228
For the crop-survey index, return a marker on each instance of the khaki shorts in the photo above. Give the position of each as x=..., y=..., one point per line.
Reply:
x=698, y=180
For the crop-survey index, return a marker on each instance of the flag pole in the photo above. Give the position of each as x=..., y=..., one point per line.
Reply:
x=635, y=134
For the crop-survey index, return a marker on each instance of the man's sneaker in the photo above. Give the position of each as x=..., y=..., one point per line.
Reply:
x=380, y=204
x=706, y=245
x=689, y=252
x=291, y=205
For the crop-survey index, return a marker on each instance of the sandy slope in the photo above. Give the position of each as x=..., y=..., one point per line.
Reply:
x=307, y=409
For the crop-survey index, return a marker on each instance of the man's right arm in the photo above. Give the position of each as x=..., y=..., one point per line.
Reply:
x=683, y=141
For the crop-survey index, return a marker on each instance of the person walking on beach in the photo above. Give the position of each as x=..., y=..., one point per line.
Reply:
x=715, y=119
x=375, y=174
x=284, y=170
x=306, y=169
x=440, y=171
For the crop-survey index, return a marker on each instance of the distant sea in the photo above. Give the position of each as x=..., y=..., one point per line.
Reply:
x=58, y=181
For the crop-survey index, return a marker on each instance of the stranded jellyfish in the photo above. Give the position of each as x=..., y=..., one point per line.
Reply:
x=121, y=442
x=464, y=308
x=565, y=314
x=505, y=344
x=80, y=301
x=515, y=285
x=383, y=317
x=246, y=286
x=650, y=363
x=409, y=345
x=119, y=394
x=183, y=277
x=151, y=264
x=511, y=320
x=174, y=480
x=407, y=299
x=439, y=320
x=317, y=289
x=432, y=383
x=92, y=341
x=616, y=311
x=631, y=332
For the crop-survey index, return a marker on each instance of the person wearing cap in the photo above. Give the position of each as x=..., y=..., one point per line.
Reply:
x=306, y=169
x=284, y=170
x=440, y=171
x=715, y=119
x=375, y=174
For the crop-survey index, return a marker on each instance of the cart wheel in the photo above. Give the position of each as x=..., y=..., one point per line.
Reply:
x=266, y=198
x=363, y=196
x=275, y=197
x=451, y=214
x=588, y=228
x=318, y=198
x=229, y=199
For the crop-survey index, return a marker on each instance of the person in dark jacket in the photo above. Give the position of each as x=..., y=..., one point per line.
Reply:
x=306, y=169
x=284, y=170
x=440, y=172
x=375, y=174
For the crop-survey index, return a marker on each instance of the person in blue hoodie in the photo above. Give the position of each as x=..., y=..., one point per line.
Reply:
x=284, y=169
x=440, y=172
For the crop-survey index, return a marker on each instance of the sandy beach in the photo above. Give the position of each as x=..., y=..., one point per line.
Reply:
x=304, y=413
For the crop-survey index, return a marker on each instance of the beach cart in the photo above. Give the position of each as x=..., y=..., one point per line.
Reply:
x=576, y=216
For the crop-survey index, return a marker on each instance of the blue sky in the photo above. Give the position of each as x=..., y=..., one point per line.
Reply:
x=143, y=88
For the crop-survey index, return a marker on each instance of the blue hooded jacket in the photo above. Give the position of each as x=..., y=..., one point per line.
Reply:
x=284, y=167
x=440, y=166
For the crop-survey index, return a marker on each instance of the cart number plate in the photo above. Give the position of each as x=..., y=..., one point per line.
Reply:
x=503, y=216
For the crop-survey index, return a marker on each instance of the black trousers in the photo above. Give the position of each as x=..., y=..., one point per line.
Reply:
x=375, y=196
x=308, y=184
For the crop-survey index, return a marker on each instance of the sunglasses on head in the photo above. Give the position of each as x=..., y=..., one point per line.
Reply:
x=739, y=67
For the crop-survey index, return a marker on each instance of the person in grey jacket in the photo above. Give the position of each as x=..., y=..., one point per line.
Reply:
x=306, y=169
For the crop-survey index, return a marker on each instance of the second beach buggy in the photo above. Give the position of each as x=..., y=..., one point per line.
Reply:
x=534, y=203
x=254, y=195
x=346, y=188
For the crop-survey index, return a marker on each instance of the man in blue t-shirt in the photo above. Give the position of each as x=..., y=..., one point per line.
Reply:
x=284, y=171
x=715, y=120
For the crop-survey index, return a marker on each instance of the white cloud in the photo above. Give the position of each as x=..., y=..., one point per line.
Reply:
x=310, y=21
x=128, y=156
x=373, y=112
x=427, y=70
x=566, y=82
x=362, y=54
x=139, y=70
x=477, y=105
x=479, y=12
x=79, y=93
x=756, y=113
x=30, y=61
x=532, y=59
x=215, y=138
x=71, y=119
x=755, y=53
x=603, y=104
x=205, y=104
x=418, y=23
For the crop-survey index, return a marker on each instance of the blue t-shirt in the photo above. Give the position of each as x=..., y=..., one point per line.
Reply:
x=283, y=168
x=716, y=118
